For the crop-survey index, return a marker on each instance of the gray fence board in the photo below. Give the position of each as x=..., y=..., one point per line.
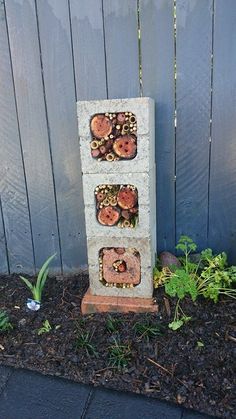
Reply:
x=88, y=49
x=55, y=38
x=60, y=51
x=157, y=47
x=193, y=93
x=4, y=267
x=222, y=212
x=13, y=193
x=121, y=44
x=24, y=47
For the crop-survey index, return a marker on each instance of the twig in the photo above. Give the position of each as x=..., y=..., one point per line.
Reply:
x=231, y=338
x=104, y=369
x=167, y=371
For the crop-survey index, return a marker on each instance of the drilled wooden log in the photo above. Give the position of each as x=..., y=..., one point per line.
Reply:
x=101, y=126
x=121, y=118
x=121, y=267
x=133, y=210
x=126, y=214
x=102, y=149
x=127, y=198
x=125, y=147
x=119, y=250
x=108, y=216
x=95, y=153
x=100, y=196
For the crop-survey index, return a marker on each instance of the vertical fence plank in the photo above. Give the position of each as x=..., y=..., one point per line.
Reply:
x=222, y=208
x=157, y=50
x=55, y=38
x=14, y=203
x=4, y=268
x=121, y=43
x=88, y=49
x=193, y=104
x=27, y=75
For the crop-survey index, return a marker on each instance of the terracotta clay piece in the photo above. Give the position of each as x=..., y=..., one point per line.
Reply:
x=119, y=268
x=114, y=136
x=117, y=205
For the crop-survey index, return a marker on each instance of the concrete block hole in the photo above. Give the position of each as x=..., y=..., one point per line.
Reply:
x=119, y=267
x=113, y=136
x=117, y=205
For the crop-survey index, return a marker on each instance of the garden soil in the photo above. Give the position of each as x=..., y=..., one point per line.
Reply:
x=194, y=367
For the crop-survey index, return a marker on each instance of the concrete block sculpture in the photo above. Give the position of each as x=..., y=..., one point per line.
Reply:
x=117, y=146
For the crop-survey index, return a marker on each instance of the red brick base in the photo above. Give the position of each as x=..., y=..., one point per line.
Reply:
x=100, y=304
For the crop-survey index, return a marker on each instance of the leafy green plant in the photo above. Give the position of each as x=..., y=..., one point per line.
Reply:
x=119, y=354
x=209, y=277
x=181, y=284
x=216, y=278
x=84, y=341
x=5, y=324
x=45, y=328
x=187, y=246
x=180, y=318
x=112, y=324
x=147, y=330
x=37, y=289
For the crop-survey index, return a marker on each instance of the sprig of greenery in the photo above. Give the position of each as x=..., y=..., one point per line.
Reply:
x=210, y=277
x=46, y=328
x=119, y=354
x=5, y=324
x=147, y=330
x=112, y=324
x=37, y=289
x=84, y=341
x=180, y=284
x=180, y=318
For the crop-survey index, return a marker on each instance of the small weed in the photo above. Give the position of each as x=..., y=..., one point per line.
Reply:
x=5, y=324
x=83, y=341
x=112, y=325
x=180, y=318
x=46, y=328
x=147, y=330
x=119, y=354
x=200, y=344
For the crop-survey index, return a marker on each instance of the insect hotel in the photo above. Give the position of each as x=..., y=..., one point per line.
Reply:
x=118, y=162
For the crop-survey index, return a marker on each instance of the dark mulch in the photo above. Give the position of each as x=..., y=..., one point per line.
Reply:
x=202, y=378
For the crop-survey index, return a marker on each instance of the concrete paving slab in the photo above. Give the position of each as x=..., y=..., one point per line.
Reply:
x=5, y=373
x=111, y=405
x=29, y=395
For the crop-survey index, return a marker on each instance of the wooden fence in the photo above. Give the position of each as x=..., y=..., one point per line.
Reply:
x=54, y=52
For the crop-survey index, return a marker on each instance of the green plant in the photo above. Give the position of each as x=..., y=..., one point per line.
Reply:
x=200, y=344
x=119, y=354
x=147, y=330
x=37, y=289
x=112, y=324
x=180, y=318
x=83, y=341
x=210, y=277
x=187, y=246
x=216, y=278
x=5, y=324
x=45, y=328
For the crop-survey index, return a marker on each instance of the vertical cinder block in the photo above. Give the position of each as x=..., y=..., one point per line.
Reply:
x=117, y=146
